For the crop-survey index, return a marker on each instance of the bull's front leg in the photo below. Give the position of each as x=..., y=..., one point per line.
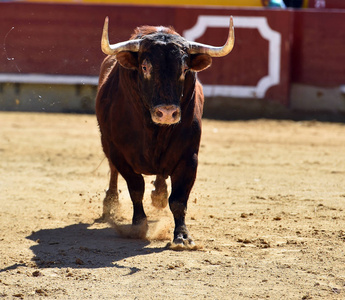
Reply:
x=139, y=228
x=182, y=181
x=136, y=187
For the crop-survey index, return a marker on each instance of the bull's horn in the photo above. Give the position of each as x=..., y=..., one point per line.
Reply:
x=198, y=48
x=131, y=45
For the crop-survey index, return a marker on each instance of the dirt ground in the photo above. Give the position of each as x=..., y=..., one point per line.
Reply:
x=267, y=208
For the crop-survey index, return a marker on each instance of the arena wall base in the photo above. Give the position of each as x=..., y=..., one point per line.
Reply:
x=316, y=99
x=304, y=108
x=47, y=98
x=284, y=63
x=307, y=102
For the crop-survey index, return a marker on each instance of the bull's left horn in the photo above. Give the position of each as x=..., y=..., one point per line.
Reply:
x=131, y=45
x=198, y=48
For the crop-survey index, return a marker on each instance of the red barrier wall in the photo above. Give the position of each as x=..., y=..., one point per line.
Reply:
x=65, y=39
x=318, y=52
x=273, y=48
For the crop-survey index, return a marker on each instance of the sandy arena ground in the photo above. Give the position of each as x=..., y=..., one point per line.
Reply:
x=268, y=207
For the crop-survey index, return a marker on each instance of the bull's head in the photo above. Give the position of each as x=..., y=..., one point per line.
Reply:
x=163, y=61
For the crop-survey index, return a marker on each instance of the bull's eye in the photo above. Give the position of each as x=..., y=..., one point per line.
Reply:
x=146, y=68
x=184, y=71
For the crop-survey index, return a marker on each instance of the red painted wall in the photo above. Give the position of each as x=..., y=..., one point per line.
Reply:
x=64, y=39
x=318, y=52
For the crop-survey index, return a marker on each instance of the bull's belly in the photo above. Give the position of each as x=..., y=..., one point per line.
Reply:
x=152, y=165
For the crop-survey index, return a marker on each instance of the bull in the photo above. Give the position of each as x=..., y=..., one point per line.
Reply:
x=149, y=106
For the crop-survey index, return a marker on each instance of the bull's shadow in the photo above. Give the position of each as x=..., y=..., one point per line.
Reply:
x=79, y=246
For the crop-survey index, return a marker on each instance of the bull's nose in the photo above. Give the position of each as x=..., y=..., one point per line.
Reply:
x=166, y=114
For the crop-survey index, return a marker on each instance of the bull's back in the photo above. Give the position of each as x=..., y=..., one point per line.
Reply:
x=107, y=66
x=107, y=80
x=199, y=100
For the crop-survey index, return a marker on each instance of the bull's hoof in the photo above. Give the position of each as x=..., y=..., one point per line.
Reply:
x=132, y=231
x=104, y=218
x=159, y=199
x=183, y=239
x=110, y=207
x=183, y=242
x=159, y=195
x=138, y=229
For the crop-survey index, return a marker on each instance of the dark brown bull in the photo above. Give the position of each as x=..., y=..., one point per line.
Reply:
x=149, y=107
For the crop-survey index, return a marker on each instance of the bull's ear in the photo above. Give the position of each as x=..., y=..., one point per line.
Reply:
x=200, y=62
x=127, y=59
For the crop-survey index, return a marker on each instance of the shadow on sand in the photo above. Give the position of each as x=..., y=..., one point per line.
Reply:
x=81, y=246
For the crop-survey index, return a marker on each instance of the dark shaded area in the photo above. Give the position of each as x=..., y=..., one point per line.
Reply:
x=78, y=246
x=219, y=108
x=293, y=3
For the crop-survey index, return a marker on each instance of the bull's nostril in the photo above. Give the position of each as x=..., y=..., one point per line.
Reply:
x=159, y=114
x=166, y=114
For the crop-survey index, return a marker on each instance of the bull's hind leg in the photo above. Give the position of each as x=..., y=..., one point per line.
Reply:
x=112, y=195
x=159, y=195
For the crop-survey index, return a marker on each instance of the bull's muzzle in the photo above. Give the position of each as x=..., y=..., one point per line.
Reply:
x=166, y=114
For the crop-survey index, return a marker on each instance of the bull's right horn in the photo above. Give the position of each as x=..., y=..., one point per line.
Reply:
x=198, y=48
x=131, y=45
